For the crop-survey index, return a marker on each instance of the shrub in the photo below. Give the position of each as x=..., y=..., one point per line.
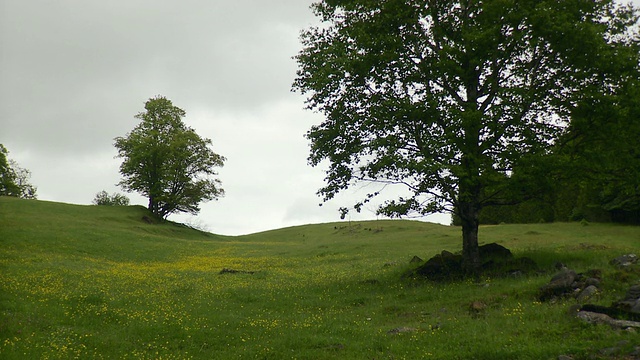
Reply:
x=115, y=199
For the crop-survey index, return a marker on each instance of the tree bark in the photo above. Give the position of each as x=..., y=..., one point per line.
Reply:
x=153, y=206
x=470, y=184
x=469, y=213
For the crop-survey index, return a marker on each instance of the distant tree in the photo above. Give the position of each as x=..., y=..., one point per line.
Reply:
x=8, y=186
x=458, y=100
x=115, y=199
x=167, y=162
x=14, y=180
x=601, y=145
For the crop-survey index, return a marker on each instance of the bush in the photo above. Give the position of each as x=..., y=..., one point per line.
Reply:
x=115, y=199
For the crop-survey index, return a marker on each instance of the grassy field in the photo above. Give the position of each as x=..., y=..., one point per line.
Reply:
x=89, y=282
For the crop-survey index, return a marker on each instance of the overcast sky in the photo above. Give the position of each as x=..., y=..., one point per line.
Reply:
x=74, y=73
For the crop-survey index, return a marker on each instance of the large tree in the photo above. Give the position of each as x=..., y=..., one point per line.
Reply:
x=167, y=161
x=459, y=100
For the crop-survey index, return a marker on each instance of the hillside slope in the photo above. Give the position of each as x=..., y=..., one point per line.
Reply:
x=115, y=233
x=93, y=282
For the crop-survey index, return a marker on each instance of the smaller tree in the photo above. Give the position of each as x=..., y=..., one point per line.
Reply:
x=14, y=180
x=167, y=162
x=115, y=199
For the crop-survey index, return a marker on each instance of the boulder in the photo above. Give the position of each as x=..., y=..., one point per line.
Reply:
x=624, y=260
x=564, y=278
x=631, y=301
x=444, y=266
x=495, y=252
x=592, y=282
x=636, y=307
x=560, y=285
x=600, y=318
x=496, y=261
x=587, y=293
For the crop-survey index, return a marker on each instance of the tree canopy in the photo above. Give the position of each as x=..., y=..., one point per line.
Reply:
x=167, y=162
x=458, y=100
x=602, y=141
x=14, y=180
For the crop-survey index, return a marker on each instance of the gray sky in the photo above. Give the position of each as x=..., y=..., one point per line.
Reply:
x=73, y=73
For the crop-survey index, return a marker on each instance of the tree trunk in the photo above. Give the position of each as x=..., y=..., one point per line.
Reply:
x=153, y=206
x=470, y=184
x=468, y=213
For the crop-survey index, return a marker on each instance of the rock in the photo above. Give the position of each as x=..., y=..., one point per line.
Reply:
x=416, y=259
x=592, y=282
x=564, y=357
x=446, y=253
x=633, y=292
x=564, y=278
x=598, y=318
x=400, y=330
x=593, y=317
x=587, y=293
x=624, y=260
x=494, y=252
x=560, y=285
x=631, y=301
x=444, y=266
x=496, y=261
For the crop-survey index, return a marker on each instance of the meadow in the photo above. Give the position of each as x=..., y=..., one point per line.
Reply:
x=98, y=282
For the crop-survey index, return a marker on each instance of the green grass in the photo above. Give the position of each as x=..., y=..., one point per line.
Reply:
x=89, y=282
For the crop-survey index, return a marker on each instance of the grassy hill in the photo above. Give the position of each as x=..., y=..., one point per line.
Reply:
x=90, y=282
